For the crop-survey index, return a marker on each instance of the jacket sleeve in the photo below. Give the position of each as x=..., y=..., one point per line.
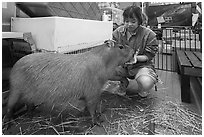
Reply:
x=151, y=46
x=116, y=36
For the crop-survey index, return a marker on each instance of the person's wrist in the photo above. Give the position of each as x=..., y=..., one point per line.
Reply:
x=142, y=58
x=146, y=58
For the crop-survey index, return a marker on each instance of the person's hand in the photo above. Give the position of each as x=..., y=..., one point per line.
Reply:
x=132, y=61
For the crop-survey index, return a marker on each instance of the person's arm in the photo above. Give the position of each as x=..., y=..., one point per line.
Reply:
x=138, y=58
x=151, y=47
x=115, y=35
x=149, y=51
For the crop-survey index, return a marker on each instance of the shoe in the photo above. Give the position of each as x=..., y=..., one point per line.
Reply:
x=144, y=94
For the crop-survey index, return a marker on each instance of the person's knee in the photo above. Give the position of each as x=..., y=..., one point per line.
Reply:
x=145, y=82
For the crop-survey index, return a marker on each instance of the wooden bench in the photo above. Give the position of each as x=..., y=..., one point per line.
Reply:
x=189, y=65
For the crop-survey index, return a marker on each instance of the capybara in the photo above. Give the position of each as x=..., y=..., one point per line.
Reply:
x=61, y=82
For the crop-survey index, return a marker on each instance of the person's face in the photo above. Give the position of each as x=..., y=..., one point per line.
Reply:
x=131, y=24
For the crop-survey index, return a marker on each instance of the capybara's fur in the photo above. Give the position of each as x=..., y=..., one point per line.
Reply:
x=63, y=83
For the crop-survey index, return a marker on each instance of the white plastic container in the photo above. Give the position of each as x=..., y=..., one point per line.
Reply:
x=63, y=34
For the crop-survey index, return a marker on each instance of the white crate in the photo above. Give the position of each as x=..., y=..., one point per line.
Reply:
x=63, y=34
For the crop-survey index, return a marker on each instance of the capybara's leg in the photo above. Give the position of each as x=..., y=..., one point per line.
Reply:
x=92, y=103
x=12, y=103
x=30, y=109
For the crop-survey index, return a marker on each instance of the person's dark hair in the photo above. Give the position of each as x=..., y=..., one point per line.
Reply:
x=115, y=24
x=133, y=12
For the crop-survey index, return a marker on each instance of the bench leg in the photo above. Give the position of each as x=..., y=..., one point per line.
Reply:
x=185, y=89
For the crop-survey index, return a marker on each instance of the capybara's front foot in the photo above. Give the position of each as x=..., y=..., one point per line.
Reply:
x=96, y=120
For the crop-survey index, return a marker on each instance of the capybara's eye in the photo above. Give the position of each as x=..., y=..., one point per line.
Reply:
x=121, y=47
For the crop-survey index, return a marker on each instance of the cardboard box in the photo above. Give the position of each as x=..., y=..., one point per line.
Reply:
x=63, y=34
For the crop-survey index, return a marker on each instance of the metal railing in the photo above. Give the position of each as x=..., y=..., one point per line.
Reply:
x=172, y=38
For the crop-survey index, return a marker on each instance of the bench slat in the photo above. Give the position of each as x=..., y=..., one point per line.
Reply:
x=193, y=59
x=190, y=71
x=190, y=66
x=182, y=59
x=199, y=55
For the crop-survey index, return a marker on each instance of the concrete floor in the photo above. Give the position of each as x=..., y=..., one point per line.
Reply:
x=170, y=90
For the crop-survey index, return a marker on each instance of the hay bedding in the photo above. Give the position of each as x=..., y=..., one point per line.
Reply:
x=122, y=116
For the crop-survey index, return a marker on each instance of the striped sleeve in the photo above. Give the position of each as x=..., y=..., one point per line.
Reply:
x=116, y=35
x=151, y=46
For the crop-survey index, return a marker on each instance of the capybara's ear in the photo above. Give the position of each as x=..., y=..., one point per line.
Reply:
x=106, y=41
x=110, y=43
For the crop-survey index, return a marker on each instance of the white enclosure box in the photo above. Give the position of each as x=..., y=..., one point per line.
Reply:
x=64, y=34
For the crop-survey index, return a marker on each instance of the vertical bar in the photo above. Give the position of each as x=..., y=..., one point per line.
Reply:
x=166, y=48
x=185, y=37
x=180, y=38
x=200, y=39
x=170, y=62
x=195, y=39
x=197, y=48
x=162, y=51
x=175, y=48
x=158, y=56
x=189, y=37
x=175, y=39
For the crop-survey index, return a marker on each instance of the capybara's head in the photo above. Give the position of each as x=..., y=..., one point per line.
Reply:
x=121, y=53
